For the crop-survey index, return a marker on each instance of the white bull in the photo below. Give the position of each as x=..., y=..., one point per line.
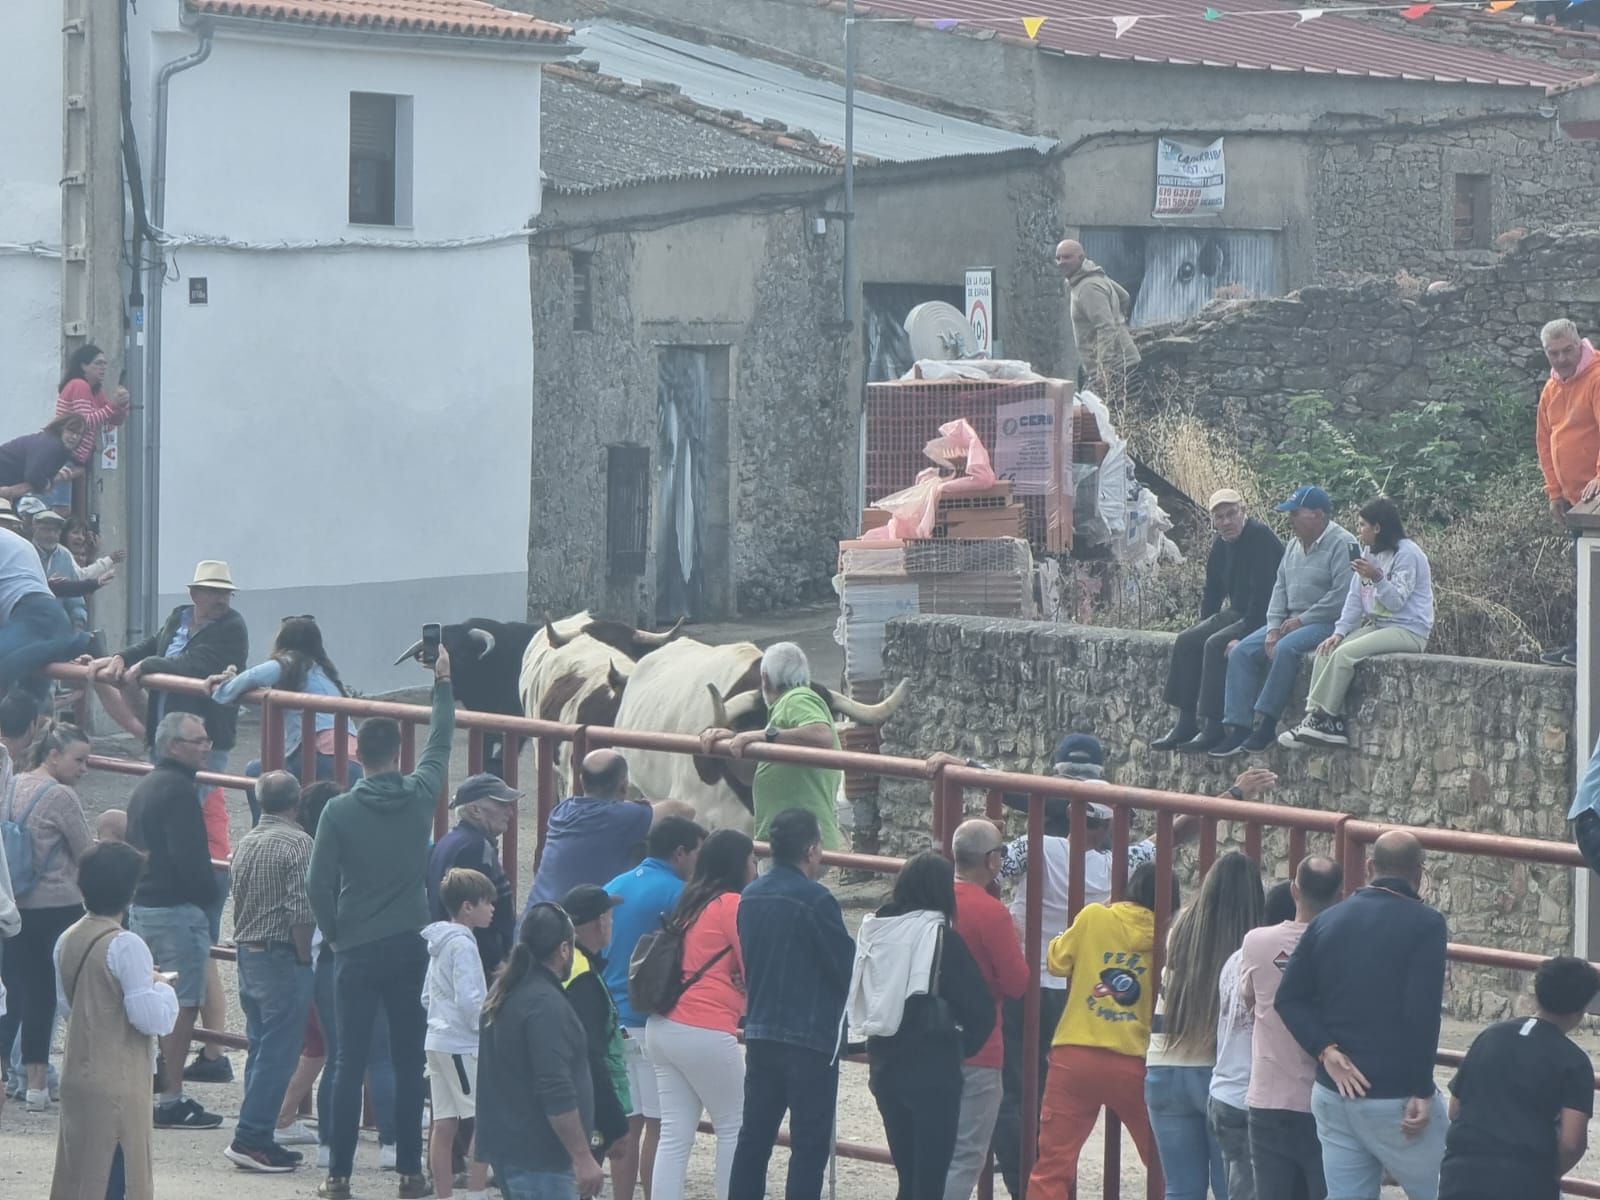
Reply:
x=671, y=692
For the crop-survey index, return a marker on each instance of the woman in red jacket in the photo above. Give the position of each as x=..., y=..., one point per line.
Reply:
x=83, y=392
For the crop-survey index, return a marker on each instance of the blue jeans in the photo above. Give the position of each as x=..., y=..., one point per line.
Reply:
x=380, y=1068
x=1190, y=1157
x=385, y=975
x=1248, y=665
x=778, y=1078
x=37, y=634
x=275, y=993
x=519, y=1183
x=293, y=765
x=1361, y=1139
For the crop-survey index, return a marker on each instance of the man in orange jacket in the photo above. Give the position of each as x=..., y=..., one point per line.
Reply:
x=1568, y=432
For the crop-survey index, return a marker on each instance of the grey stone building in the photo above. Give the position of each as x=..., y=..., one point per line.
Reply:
x=698, y=386
x=1352, y=145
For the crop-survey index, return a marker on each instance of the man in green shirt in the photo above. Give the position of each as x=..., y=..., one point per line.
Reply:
x=796, y=716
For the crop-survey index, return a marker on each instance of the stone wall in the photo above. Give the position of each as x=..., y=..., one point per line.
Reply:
x=1448, y=742
x=1371, y=347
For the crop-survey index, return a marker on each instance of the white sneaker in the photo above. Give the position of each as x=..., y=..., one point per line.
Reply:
x=324, y=1157
x=386, y=1156
x=295, y=1134
x=38, y=1101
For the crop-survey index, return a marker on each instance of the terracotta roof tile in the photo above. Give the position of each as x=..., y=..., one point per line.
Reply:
x=1177, y=32
x=451, y=18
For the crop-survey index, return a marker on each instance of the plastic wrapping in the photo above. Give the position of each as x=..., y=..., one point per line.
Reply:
x=912, y=511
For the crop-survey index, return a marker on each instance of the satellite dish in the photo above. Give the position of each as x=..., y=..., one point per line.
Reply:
x=939, y=330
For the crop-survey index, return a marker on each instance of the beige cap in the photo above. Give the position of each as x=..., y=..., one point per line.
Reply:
x=213, y=573
x=1224, y=496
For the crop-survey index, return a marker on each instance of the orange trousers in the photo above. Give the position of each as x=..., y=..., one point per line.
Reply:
x=1082, y=1081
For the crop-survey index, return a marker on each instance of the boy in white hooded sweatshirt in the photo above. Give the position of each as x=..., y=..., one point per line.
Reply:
x=453, y=994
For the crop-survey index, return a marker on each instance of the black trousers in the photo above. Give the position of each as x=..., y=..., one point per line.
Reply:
x=29, y=972
x=1199, y=668
x=918, y=1090
x=1286, y=1155
x=780, y=1077
x=1008, y=1125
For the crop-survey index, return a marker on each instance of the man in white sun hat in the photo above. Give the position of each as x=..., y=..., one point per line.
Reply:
x=200, y=639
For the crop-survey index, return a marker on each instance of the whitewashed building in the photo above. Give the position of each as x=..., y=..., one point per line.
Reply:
x=336, y=366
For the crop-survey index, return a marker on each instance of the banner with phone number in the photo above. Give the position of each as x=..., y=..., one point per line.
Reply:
x=1191, y=181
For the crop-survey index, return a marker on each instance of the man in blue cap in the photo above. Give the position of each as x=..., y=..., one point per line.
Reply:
x=1306, y=599
x=1240, y=572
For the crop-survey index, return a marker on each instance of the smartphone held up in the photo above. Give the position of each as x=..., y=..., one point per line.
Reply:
x=429, y=654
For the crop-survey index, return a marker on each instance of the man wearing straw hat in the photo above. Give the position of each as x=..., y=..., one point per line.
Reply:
x=200, y=639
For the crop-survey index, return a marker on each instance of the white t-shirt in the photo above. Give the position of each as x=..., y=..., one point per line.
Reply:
x=1057, y=879
x=1236, y=1020
x=20, y=573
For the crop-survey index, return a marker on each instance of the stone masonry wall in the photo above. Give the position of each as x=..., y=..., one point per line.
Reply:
x=1372, y=349
x=1448, y=742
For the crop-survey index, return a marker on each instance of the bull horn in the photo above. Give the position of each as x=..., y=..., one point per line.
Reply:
x=484, y=636
x=555, y=640
x=659, y=639
x=871, y=714
x=416, y=649
x=615, y=678
x=719, y=708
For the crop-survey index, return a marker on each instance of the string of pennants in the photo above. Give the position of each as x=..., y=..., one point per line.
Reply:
x=1122, y=24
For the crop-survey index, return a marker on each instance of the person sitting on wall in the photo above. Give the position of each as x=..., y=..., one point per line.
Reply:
x=1241, y=570
x=1387, y=610
x=1312, y=580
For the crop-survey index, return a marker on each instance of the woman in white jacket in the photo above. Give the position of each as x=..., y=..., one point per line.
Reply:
x=1388, y=610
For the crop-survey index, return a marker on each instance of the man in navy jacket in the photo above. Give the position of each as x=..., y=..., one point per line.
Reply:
x=1362, y=994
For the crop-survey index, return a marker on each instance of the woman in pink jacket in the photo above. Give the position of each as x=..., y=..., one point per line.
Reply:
x=83, y=392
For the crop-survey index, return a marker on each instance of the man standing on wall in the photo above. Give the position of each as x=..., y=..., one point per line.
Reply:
x=1241, y=571
x=1567, y=434
x=1100, y=310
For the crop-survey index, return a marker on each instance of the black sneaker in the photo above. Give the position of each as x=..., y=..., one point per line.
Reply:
x=1325, y=728
x=1263, y=736
x=1567, y=656
x=209, y=1070
x=268, y=1160
x=185, y=1114
x=1232, y=742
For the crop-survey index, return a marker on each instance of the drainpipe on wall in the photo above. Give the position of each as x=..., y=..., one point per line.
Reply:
x=148, y=453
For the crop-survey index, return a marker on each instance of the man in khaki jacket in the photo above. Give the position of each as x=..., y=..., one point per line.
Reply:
x=1100, y=308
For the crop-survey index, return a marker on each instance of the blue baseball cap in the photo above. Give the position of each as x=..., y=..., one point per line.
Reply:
x=1307, y=497
x=1081, y=748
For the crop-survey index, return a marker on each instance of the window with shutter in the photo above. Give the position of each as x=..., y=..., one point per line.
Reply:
x=373, y=158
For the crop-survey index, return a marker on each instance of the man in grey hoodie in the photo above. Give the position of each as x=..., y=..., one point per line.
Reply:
x=1100, y=311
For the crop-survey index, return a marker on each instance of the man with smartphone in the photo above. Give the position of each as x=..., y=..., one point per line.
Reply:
x=1307, y=597
x=368, y=888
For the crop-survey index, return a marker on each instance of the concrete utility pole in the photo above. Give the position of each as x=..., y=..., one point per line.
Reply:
x=91, y=260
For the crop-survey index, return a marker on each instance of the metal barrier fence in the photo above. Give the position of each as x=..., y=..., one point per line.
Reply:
x=1346, y=837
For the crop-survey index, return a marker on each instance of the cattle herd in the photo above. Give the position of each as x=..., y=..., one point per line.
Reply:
x=584, y=670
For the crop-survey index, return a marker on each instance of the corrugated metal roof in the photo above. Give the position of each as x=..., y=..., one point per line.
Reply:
x=1176, y=31
x=452, y=18
x=885, y=130
x=591, y=139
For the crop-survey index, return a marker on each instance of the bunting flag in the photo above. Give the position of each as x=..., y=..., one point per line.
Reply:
x=1124, y=24
x=948, y=23
x=1031, y=24
x=1412, y=10
x=1212, y=14
x=1415, y=11
x=1500, y=5
x=1311, y=14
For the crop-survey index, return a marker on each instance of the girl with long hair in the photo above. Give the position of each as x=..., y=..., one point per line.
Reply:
x=1183, y=1049
x=1388, y=609
x=299, y=663
x=695, y=1046
x=82, y=393
x=36, y=461
x=43, y=802
x=915, y=1073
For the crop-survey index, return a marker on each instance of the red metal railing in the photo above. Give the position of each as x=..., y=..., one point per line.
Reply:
x=1346, y=838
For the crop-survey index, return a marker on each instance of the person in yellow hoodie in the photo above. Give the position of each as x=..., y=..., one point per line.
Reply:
x=1097, y=1054
x=1567, y=432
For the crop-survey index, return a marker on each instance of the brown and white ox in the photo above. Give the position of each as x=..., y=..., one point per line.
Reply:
x=689, y=686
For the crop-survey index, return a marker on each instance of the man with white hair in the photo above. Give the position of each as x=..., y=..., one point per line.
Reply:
x=796, y=716
x=1567, y=433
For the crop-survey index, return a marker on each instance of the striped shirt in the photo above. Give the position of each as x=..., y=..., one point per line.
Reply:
x=98, y=413
x=269, y=881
